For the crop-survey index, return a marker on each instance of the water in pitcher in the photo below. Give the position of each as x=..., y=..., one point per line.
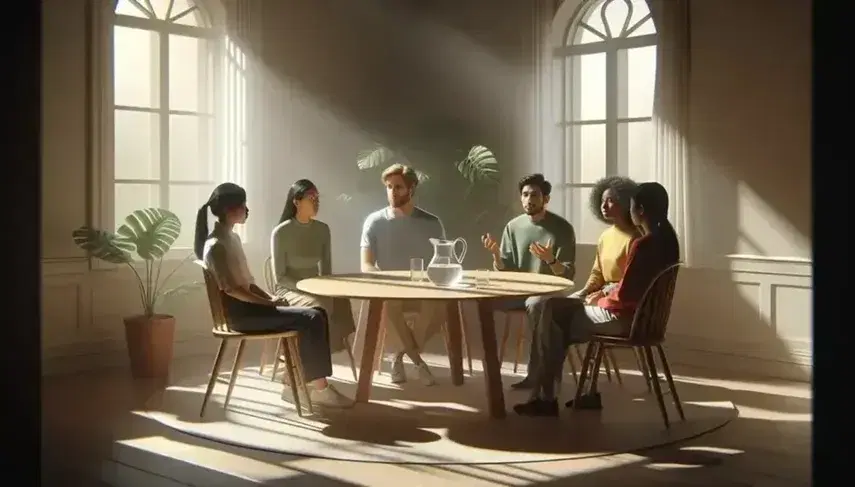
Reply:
x=445, y=273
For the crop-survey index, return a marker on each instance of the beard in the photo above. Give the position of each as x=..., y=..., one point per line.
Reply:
x=400, y=201
x=533, y=210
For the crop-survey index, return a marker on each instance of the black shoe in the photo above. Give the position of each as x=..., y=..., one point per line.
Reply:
x=524, y=384
x=587, y=401
x=537, y=407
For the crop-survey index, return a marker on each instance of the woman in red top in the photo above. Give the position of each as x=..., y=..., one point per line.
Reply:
x=574, y=322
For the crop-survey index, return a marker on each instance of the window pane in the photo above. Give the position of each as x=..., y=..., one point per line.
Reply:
x=131, y=197
x=637, y=149
x=190, y=74
x=586, y=153
x=576, y=211
x=190, y=154
x=640, y=82
x=135, y=67
x=137, y=145
x=184, y=201
x=639, y=11
x=586, y=87
x=126, y=7
x=616, y=15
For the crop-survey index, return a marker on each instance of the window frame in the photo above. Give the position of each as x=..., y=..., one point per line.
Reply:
x=616, y=65
x=101, y=19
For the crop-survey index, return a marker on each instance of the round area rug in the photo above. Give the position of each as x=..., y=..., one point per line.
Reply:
x=443, y=424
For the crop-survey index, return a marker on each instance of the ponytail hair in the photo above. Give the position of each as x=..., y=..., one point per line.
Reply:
x=297, y=192
x=201, y=231
x=224, y=197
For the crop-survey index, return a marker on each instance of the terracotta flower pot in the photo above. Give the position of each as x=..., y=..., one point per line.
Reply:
x=150, y=340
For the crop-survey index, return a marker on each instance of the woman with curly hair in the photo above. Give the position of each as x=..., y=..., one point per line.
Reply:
x=609, y=203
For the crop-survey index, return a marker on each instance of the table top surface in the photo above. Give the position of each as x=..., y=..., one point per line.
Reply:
x=396, y=285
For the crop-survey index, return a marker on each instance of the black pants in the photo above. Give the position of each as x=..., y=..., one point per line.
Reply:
x=311, y=323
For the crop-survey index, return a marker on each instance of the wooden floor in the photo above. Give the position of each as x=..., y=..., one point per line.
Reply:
x=89, y=435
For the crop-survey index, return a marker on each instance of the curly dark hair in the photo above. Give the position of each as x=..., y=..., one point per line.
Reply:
x=537, y=180
x=624, y=188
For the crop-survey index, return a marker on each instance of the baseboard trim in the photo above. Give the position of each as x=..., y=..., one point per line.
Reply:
x=109, y=353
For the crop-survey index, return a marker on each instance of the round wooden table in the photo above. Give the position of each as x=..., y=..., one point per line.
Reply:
x=378, y=287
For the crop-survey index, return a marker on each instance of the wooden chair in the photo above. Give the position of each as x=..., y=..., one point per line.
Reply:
x=289, y=340
x=646, y=332
x=518, y=318
x=270, y=284
x=411, y=315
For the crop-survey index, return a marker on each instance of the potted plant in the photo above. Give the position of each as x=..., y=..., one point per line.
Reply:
x=150, y=233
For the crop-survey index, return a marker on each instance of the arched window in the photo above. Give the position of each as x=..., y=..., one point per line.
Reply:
x=171, y=106
x=606, y=65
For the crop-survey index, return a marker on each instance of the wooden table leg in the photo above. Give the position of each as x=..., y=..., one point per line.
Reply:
x=455, y=342
x=366, y=364
x=490, y=361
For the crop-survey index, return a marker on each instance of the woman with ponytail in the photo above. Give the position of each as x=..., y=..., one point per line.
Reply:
x=300, y=248
x=249, y=308
x=574, y=322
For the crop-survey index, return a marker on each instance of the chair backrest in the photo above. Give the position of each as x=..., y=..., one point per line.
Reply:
x=269, y=280
x=215, y=299
x=653, y=311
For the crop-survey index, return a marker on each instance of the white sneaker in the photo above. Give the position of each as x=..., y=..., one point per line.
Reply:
x=330, y=397
x=425, y=376
x=399, y=375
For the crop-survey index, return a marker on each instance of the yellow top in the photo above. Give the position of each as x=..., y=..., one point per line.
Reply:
x=610, y=261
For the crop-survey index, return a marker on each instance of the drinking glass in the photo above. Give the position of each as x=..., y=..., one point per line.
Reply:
x=417, y=269
x=482, y=278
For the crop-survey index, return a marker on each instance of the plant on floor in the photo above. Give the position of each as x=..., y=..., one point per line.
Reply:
x=149, y=232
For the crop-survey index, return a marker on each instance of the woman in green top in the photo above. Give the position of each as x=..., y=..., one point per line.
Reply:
x=301, y=248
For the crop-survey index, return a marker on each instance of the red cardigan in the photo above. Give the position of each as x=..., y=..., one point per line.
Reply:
x=648, y=256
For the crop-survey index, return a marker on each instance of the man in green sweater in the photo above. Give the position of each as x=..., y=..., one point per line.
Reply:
x=536, y=241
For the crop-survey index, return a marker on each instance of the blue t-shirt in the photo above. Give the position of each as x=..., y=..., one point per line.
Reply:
x=394, y=240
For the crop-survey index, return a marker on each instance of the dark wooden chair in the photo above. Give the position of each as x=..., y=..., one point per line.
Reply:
x=646, y=333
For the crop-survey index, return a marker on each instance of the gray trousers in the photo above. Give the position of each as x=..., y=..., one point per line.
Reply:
x=562, y=322
x=533, y=307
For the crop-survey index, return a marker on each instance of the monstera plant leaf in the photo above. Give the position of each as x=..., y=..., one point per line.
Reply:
x=376, y=157
x=152, y=231
x=479, y=165
x=103, y=245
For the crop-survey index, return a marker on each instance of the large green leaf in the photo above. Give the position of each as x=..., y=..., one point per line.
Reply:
x=152, y=231
x=103, y=245
x=376, y=157
x=480, y=165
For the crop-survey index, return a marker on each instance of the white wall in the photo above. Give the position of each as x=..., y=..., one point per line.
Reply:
x=745, y=306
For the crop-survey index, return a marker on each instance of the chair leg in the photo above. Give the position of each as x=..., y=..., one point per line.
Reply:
x=294, y=344
x=466, y=347
x=235, y=369
x=670, y=379
x=642, y=366
x=262, y=363
x=583, y=375
x=349, y=348
x=279, y=347
x=519, y=343
x=292, y=380
x=651, y=364
x=595, y=374
x=615, y=367
x=607, y=366
x=215, y=373
x=381, y=349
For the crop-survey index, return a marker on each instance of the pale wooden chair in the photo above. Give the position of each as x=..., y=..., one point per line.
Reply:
x=411, y=315
x=517, y=319
x=270, y=284
x=289, y=341
x=647, y=332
